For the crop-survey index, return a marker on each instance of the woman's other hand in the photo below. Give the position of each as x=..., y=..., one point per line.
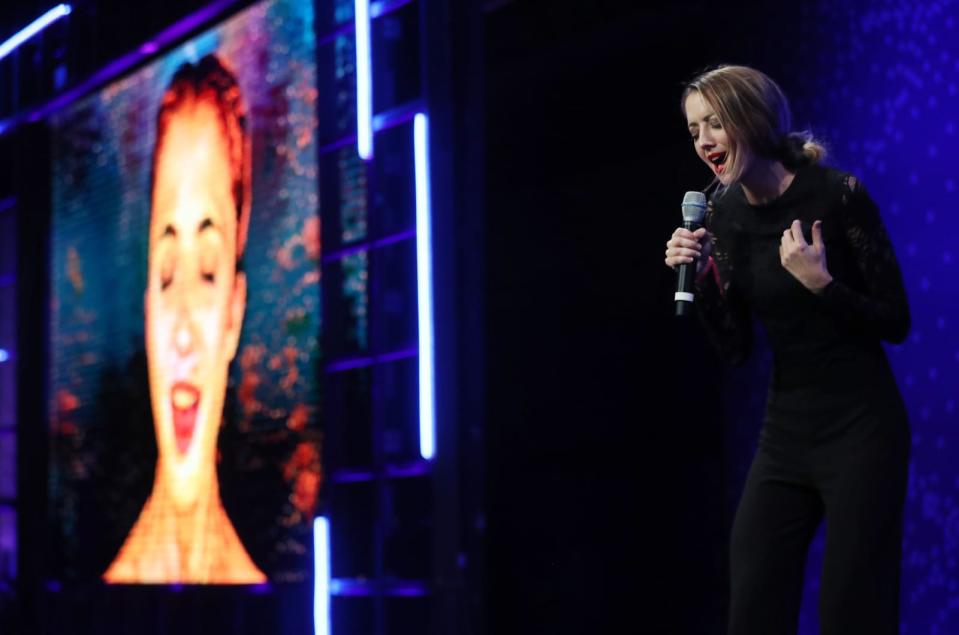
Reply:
x=806, y=263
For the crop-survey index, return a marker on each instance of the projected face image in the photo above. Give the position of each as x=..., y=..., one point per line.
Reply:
x=194, y=305
x=195, y=298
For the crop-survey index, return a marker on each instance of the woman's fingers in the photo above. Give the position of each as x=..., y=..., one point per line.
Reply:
x=678, y=257
x=796, y=229
x=684, y=246
x=686, y=249
x=682, y=243
x=817, y=234
x=684, y=238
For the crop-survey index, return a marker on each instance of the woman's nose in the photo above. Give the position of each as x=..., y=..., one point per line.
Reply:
x=183, y=336
x=705, y=140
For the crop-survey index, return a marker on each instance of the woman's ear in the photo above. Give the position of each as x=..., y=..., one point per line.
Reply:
x=237, y=309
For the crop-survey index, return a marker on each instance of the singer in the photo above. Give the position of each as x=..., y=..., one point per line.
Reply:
x=802, y=247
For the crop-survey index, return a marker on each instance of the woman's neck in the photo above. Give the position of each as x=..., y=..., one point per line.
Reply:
x=765, y=180
x=190, y=527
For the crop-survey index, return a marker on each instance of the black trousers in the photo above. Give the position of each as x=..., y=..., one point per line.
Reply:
x=849, y=466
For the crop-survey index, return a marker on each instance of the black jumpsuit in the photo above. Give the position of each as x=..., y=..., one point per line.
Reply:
x=835, y=439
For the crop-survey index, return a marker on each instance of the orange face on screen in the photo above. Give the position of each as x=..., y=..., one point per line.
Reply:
x=194, y=304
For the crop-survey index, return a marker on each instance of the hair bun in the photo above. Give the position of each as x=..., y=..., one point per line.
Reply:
x=801, y=148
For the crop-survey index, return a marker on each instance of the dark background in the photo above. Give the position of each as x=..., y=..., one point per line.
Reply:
x=611, y=480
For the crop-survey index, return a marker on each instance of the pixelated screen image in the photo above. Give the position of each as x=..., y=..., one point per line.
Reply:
x=185, y=388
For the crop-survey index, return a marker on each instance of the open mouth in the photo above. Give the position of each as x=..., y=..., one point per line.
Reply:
x=185, y=399
x=718, y=160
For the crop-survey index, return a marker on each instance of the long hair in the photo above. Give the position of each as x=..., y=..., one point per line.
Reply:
x=755, y=113
x=210, y=81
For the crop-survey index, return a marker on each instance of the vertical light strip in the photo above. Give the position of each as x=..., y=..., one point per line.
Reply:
x=424, y=284
x=321, y=576
x=364, y=80
x=33, y=28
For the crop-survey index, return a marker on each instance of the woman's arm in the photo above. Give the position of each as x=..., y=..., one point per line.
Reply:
x=883, y=310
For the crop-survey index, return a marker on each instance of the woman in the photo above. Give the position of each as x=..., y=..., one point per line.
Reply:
x=803, y=248
x=194, y=304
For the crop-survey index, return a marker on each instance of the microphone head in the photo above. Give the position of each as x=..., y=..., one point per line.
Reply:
x=694, y=207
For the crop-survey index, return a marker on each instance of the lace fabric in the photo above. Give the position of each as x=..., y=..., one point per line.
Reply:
x=883, y=310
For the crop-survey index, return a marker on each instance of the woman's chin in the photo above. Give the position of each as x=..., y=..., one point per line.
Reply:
x=184, y=497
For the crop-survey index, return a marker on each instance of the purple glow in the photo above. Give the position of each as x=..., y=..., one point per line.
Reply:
x=7, y=204
x=7, y=279
x=396, y=470
x=361, y=362
x=149, y=48
x=386, y=6
x=346, y=587
x=122, y=64
x=392, y=239
x=342, y=142
x=54, y=586
x=399, y=115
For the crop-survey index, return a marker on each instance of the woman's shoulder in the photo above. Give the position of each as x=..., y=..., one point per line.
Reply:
x=837, y=182
x=826, y=191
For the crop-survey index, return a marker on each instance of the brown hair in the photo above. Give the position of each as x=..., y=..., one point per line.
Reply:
x=755, y=112
x=210, y=81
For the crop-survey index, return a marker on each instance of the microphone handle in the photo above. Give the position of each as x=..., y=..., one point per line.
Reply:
x=684, y=284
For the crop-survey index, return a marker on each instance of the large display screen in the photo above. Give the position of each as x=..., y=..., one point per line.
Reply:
x=185, y=385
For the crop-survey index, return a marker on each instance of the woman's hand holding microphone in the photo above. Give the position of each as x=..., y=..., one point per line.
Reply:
x=687, y=246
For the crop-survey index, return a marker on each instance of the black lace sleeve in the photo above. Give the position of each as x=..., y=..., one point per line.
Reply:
x=883, y=309
x=722, y=310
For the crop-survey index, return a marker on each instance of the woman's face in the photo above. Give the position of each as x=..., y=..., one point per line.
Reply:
x=194, y=298
x=709, y=136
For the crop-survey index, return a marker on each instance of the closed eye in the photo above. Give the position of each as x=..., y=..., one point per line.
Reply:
x=167, y=269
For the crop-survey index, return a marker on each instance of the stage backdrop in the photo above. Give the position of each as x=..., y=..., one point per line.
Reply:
x=103, y=444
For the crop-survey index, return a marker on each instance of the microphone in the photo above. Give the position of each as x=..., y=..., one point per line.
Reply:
x=694, y=208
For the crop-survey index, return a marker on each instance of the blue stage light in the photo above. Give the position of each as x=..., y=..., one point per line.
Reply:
x=424, y=284
x=33, y=28
x=364, y=80
x=321, y=576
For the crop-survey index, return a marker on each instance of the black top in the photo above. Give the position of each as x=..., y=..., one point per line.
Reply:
x=831, y=341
